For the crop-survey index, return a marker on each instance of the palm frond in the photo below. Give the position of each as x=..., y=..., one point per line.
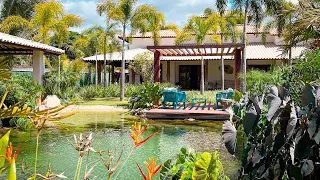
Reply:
x=5, y=73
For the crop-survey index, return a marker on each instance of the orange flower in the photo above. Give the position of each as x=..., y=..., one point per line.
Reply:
x=152, y=170
x=8, y=156
x=136, y=133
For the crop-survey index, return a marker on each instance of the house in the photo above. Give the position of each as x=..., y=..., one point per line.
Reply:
x=181, y=65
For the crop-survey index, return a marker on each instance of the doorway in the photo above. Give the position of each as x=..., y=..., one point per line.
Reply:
x=189, y=76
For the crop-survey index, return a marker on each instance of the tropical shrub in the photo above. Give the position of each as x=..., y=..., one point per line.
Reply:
x=283, y=140
x=70, y=74
x=142, y=64
x=21, y=86
x=20, y=123
x=209, y=95
x=191, y=165
x=258, y=81
x=149, y=96
x=306, y=70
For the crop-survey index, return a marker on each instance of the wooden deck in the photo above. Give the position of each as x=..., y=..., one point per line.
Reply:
x=198, y=112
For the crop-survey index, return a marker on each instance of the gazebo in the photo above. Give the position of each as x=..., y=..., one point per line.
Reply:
x=226, y=50
x=13, y=45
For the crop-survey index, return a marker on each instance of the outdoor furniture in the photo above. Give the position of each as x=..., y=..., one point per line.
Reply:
x=224, y=97
x=199, y=99
x=174, y=96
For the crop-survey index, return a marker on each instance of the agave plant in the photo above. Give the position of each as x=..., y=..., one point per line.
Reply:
x=282, y=141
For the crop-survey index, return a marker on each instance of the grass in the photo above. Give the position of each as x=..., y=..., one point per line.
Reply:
x=209, y=95
x=115, y=101
x=110, y=101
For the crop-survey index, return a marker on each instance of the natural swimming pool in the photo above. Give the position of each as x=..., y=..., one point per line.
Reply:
x=110, y=130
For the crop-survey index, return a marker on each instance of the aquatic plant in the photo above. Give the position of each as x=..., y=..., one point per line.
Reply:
x=152, y=170
x=282, y=140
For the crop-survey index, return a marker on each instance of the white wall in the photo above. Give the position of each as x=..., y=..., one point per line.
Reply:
x=144, y=42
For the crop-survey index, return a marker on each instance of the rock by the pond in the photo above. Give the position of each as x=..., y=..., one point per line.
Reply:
x=51, y=101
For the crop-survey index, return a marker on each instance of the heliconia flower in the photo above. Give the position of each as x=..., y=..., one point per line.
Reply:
x=8, y=155
x=136, y=132
x=152, y=170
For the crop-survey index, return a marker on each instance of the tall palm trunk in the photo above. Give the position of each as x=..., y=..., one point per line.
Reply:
x=222, y=66
x=96, y=69
x=290, y=41
x=122, y=78
x=202, y=76
x=104, y=62
x=243, y=85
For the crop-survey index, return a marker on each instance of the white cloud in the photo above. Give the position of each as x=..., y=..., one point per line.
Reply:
x=86, y=10
x=175, y=11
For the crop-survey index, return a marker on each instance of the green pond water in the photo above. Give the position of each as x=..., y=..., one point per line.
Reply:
x=110, y=130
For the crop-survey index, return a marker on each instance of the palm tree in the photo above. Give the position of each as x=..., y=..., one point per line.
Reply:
x=25, y=9
x=228, y=30
x=106, y=7
x=49, y=17
x=148, y=19
x=254, y=9
x=196, y=29
x=123, y=12
x=282, y=21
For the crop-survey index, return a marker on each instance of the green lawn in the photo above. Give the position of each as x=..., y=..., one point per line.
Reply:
x=112, y=101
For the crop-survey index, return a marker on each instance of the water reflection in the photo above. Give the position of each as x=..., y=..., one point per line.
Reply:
x=111, y=131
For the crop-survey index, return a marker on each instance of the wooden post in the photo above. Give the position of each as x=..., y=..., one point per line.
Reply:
x=112, y=73
x=133, y=77
x=99, y=71
x=157, y=66
x=168, y=71
x=237, y=65
x=206, y=75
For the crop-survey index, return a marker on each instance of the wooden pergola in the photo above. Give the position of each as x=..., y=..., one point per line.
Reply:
x=13, y=45
x=218, y=50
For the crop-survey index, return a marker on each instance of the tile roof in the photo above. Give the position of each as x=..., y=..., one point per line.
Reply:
x=117, y=56
x=255, y=51
x=251, y=29
x=12, y=42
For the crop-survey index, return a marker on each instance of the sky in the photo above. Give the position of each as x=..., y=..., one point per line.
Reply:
x=175, y=11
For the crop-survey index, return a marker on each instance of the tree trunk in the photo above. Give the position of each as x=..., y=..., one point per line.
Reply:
x=122, y=78
x=222, y=67
x=96, y=68
x=202, y=76
x=105, y=62
x=89, y=74
x=290, y=42
x=243, y=85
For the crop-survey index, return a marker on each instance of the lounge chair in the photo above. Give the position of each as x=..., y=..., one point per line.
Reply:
x=174, y=96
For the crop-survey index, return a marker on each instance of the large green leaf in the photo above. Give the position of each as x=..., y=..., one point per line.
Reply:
x=229, y=135
x=314, y=122
x=303, y=145
x=274, y=102
x=4, y=141
x=307, y=167
x=308, y=96
x=208, y=167
x=292, y=121
x=253, y=111
x=278, y=141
